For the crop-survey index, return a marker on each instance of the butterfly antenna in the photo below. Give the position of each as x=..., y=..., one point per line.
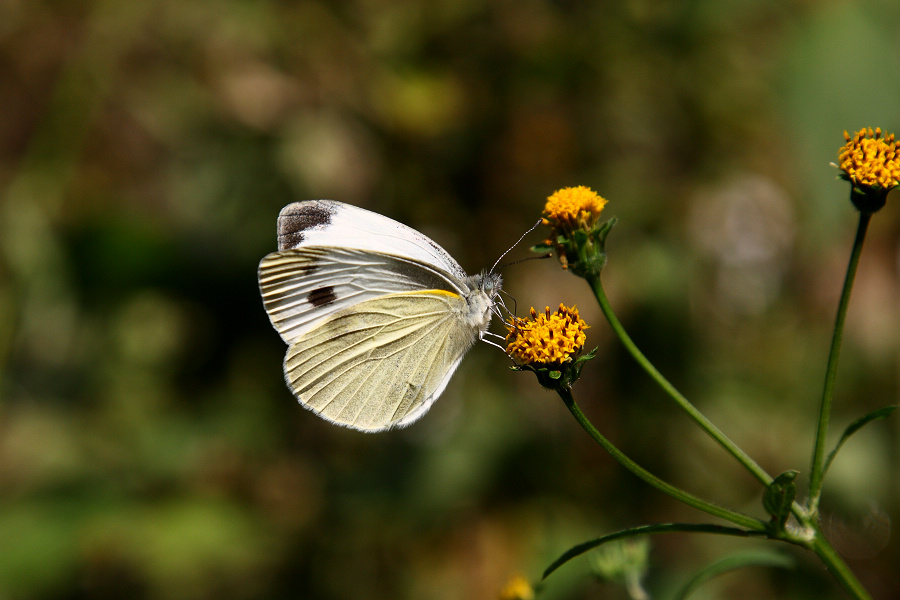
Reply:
x=533, y=227
x=526, y=259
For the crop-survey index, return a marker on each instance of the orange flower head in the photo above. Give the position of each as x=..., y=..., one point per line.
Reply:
x=547, y=339
x=573, y=208
x=870, y=160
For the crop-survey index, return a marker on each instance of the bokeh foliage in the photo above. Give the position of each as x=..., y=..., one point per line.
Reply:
x=148, y=446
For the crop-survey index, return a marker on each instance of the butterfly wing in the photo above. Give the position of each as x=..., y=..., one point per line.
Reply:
x=382, y=362
x=328, y=223
x=302, y=286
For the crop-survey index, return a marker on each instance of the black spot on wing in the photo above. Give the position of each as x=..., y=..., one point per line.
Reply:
x=298, y=218
x=321, y=296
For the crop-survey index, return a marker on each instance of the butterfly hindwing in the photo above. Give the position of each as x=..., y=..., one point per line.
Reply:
x=381, y=363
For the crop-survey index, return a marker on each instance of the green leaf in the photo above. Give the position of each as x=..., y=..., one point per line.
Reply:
x=881, y=413
x=578, y=365
x=580, y=549
x=780, y=496
x=604, y=230
x=753, y=558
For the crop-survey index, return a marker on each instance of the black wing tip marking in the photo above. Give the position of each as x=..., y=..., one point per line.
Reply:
x=299, y=217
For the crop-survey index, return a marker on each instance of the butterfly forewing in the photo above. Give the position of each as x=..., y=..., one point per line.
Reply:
x=328, y=223
x=382, y=363
x=302, y=286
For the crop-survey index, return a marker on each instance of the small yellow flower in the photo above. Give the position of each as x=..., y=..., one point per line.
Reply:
x=868, y=160
x=576, y=235
x=573, y=208
x=517, y=588
x=548, y=339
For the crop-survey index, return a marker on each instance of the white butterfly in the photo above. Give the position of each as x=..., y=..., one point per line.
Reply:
x=376, y=315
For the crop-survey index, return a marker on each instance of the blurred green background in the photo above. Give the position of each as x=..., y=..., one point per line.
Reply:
x=148, y=445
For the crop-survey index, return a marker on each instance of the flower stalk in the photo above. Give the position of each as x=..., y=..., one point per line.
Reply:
x=699, y=418
x=715, y=510
x=817, y=470
x=838, y=568
x=815, y=541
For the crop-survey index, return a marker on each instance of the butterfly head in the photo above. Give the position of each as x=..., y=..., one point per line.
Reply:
x=488, y=282
x=483, y=289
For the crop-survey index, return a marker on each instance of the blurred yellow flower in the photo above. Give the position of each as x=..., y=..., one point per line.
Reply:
x=517, y=588
x=548, y=338
x=573, y=208
x=868, y=160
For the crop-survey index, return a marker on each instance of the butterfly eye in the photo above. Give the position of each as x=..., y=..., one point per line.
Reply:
x=485, y=282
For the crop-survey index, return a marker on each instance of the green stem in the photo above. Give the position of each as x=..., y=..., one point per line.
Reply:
x=838, y=568
x=819, y=544
x=677, y=493
x=818, y=467
x=698, y=417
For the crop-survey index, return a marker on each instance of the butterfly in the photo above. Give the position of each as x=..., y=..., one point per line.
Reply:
x=376, y=315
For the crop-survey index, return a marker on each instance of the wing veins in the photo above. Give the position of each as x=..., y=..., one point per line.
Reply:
x=398, y=336
x=437, y=349
x=399, y=373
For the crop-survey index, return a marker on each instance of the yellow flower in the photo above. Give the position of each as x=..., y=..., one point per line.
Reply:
x=573, y=208
x=868, y=160
x=548, y=339
x=576, y=235
x=517, y=588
